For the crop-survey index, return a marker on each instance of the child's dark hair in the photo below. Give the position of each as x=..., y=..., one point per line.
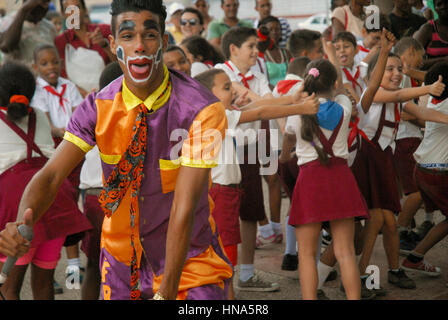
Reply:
x=374, y=60
x=199, y=47
x=41, y=48
x=207, y=78
x=345, y=36
x=405, y=43
x=236, y=36
x=109, y=74
x=301, y=40
x=196, y=12
x=384, y=23
x=61, y=4
x=439, y=69
x=16, y=79
x=322, y=83
x=173, y=47
x=267, y=20
x=121, y=6
x=298, y=66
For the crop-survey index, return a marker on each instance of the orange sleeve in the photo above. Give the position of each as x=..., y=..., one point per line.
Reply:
x=202, y=146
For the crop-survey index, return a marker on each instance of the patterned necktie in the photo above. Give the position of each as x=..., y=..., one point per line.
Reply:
x=51, y=90
x=128, y=173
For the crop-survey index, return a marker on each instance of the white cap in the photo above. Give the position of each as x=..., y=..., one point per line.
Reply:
x=174, y=7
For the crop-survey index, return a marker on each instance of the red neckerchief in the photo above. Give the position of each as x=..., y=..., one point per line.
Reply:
x=353, y=125
x=397, y=115
x=352, y=79
x=51, y=90
x=361, y=48
x=283, y=86
x=244, y=79
x=415, y=83
x=436, y=101
x=208, y=63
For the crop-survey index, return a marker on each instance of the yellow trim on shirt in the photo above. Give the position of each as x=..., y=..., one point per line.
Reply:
x=169, y=164
x=152, y=102
x=84, y=146
x=195, y=163
x=110, y=158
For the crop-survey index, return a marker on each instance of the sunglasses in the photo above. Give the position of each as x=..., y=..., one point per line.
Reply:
x=191, y=22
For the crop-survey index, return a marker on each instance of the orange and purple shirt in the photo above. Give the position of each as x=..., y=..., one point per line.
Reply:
x=188, y=114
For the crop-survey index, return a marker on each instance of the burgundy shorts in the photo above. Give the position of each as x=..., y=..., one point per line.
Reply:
x=252, y=203
x=325, y=193
x=92, y=238
x=405, y=163
x=374, y=171
x=226, y=213
x=433, y=186
x=288, y=173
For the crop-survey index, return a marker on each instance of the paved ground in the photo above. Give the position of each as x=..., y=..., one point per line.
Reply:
x=268, y=261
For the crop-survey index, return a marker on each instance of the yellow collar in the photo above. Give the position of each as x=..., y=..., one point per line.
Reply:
x=152, y=102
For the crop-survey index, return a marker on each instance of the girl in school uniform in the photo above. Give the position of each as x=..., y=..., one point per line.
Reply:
x=25, y=145
x=325, y=189
x=379, y=109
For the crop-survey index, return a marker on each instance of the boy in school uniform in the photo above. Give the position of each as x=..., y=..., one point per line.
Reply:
x=431, y=173
x=58, y=98
x=226, y=177
x=409, y=137
x=158, y=241
x=239, y=46
x=353, y=73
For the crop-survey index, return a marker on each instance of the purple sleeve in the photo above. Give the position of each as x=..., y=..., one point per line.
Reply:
x=82, y=124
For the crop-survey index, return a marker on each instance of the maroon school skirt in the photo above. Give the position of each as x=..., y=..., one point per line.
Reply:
x=288, y=173
x=433, y=186
x=61, y=219
x=92, y=238
x=226, y=213
x=405, y=163
x=326, y=193
x=374, y=171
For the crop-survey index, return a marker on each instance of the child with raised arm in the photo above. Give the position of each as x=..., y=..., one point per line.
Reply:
x=379, y=112
x=226, y=177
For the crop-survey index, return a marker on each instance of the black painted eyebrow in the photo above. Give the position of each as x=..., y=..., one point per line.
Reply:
x=126, y=25
x=151, y=24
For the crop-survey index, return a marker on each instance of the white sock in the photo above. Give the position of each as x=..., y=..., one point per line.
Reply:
x=74, y=262
x=429, y=216
x=276, y=227
x=323, y=271
x=291, y=243
x=246, y=271
x=266, y=231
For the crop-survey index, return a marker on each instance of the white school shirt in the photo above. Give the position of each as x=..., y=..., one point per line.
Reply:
x=228, y=170
x=362, y=52
x=407, y=129
x=48, y=102
x=362, y=74
x=433, y=150
x=273, y=123
x=91, y=172
x=13, y=148
x=368, y=122
x=305, y=151
x=199, y=67
x=260, y=86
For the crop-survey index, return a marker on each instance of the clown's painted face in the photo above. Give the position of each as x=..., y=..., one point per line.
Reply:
x=138, y=45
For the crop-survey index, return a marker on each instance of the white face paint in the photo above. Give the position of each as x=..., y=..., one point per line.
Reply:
x=140, y=68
